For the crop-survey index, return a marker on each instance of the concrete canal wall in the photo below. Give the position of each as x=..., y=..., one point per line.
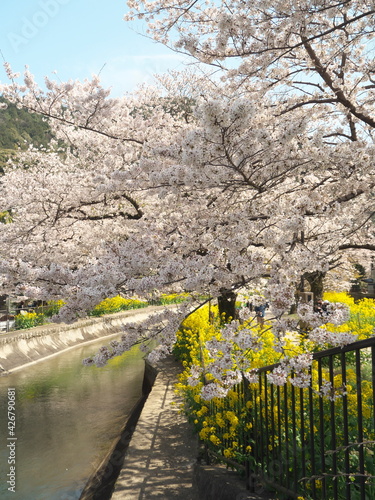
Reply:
x=22, y=347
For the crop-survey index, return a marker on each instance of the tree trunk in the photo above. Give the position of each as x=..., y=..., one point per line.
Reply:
x=315, y=280
x=227, y=306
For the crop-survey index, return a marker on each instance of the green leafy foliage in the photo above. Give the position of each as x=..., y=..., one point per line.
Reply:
x=52, y=308
x=19, y=129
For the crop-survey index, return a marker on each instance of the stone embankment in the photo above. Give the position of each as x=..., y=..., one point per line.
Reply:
x=22, y=347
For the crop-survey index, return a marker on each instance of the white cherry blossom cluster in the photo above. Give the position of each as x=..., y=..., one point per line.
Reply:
x=337, y=313
x=160, y=352
x=246, y=339
x=306, y=313
x=252, y=376
x=323, y=336
x=295, y=370
x=218, y=347
x=282, y=325
x=213, y=390
x=281, y=297
x=257, y=300
x=101, y=358
x=327, y=390
x=301, y=380
x=244, y=314
x=195, y=375
x=224, y=356
x=278, y=376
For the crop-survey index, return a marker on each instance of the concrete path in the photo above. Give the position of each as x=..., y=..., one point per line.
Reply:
x=163, y=449
x=161, y=460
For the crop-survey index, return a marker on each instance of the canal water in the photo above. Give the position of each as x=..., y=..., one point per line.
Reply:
x=67, y=416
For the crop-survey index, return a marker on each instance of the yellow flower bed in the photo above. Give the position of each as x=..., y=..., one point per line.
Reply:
x=224, y=423
x=116, y=304
x=28, y=320
x=172, y=298
x=362, y=315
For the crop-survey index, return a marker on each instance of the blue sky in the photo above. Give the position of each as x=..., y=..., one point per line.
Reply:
x=77, y=38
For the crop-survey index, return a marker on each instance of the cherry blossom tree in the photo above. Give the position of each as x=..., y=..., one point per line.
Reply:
x=300, y=55
x=306, y=53
x=263, y=174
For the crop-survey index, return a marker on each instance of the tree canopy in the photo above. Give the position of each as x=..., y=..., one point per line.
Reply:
x=270, y=178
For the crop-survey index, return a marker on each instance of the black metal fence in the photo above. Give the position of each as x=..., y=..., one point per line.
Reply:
x=315, y=442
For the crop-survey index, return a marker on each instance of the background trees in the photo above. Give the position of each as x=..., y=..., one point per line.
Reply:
x=19, y=129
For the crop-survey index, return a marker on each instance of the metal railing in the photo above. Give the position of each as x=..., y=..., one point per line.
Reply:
x=315, y=442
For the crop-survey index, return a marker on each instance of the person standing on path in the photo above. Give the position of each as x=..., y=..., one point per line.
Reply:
x=260, y=312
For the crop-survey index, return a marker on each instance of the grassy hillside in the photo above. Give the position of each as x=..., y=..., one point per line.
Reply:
x=19, y=129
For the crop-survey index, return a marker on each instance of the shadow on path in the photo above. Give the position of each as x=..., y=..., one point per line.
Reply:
x=160, y=459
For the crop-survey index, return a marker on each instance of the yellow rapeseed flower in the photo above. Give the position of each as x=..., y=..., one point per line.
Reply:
x=215, y=440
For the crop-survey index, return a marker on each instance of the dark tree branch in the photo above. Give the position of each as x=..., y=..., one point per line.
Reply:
x=341, y=98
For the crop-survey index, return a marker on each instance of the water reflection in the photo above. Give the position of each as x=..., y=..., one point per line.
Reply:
x=67, y=416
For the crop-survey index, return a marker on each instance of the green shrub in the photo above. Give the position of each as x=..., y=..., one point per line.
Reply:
x=52, y=308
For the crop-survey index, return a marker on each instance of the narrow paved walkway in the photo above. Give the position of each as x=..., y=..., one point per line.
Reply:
x=163, y=449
